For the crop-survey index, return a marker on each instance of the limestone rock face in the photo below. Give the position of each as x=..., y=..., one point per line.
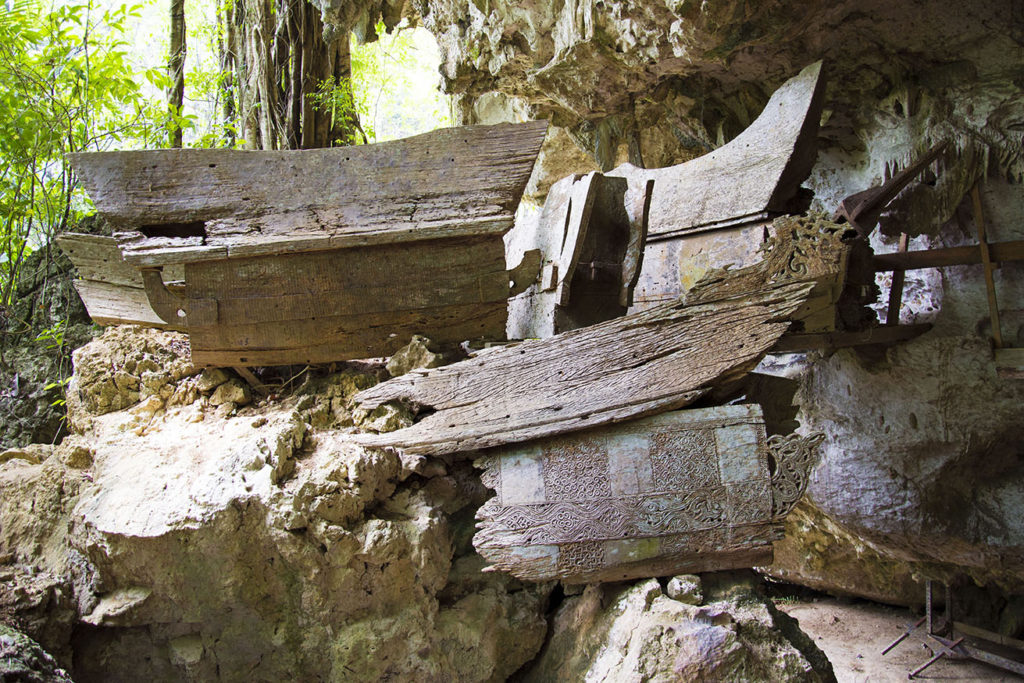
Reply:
x=254, y=545
x=127, y=365
x=638, y=633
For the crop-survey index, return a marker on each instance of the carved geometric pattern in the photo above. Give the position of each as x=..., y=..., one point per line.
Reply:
x=684, y=460
x=752, y=506
x=577, y=558
x=491, y=475
x=577, y=471
x=696, y=485
x=792, y=458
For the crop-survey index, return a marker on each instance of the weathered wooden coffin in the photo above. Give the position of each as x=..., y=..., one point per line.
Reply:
x=636, y=237
x=714, y=210
x=322, y=255
x=686, y=491
x=636, y=365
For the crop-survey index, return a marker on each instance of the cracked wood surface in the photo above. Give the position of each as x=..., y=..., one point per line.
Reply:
x=750, y=178
x=217, y=204
x=650, y=362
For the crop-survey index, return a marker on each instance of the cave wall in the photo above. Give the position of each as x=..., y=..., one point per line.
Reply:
x=921, y=470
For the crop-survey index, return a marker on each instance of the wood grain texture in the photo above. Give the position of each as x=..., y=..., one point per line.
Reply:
x=948, y=256
x=112, y=291
x=340, y=337
x=643, y=498
x=747, y=179
x=800, y=249
x=649, y=362
x=348, y=303
x=449, y=182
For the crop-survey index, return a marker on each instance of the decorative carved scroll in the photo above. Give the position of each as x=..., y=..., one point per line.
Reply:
x=678, y=492
x=792, y=458
x=811, y=249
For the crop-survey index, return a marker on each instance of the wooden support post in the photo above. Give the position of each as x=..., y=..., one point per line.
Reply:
x=928, y=605
x=892, y=317
x=252, y=380
x=986, y=261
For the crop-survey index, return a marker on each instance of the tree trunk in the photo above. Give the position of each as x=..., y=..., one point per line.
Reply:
x=176, y=69
x=294, y=89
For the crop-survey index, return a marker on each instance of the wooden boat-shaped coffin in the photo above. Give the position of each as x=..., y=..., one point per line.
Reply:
x=636, y=237
x=321, y=255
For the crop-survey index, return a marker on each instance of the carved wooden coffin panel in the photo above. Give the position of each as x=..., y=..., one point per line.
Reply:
x=684, y=491
x=591, y=245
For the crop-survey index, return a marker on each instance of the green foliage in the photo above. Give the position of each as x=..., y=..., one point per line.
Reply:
x=335, y=96
x=394, y=83
x=66, y=85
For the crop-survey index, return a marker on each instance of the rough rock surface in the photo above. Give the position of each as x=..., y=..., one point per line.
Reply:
x=23, y=661
x=258, y=544
x=635, y=632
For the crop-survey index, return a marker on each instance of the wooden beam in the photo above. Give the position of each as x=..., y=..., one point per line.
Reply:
x=986, y=262
x=888, y=334
x=863, y=209
x=999, y=252
x=252, y=380
x=892, y=316
x=205, y=204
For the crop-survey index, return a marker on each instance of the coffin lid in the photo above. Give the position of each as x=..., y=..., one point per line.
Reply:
x=179, y=206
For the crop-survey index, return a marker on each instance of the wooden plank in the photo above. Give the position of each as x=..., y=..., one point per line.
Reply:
x=450, y=182
x=649, y=362
x=644, y=498
x=885, y=335
x=801, y=248
x=999, y=252
x=986, y=264
x=590, y=234
x=991, y=636
x=98, y=258
x=755, y=174
x=476, y=264
x=341, y=337
x=111, y=304
x=892, y=316
x=863, y=209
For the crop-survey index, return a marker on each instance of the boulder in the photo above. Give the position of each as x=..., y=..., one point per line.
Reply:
x=635, y=632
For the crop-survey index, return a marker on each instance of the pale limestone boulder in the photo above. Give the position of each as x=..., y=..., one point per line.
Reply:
x=415, y=354
x=638, y=633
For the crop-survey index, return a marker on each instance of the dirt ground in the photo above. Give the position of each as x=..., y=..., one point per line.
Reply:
x=853, y=634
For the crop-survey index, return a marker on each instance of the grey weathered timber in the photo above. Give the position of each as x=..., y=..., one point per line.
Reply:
x=635, y=365
x=112, y=290
x=749, y=179
x=684, y=491
x=349, y=303
x=863, y=209
x=314, y=256
x=803, y=249
x=591, y=244
x=176, y=206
